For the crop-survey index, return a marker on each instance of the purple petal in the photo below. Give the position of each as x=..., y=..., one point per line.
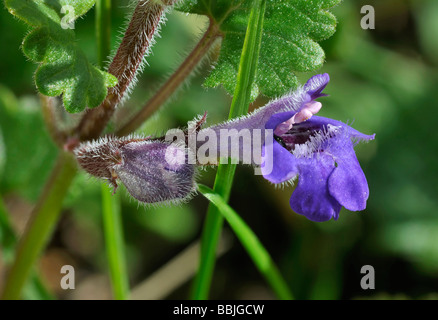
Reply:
x=279, y=118
x=311, y=197
x=321, y=122
x=347, y=184
x=316, y=84
x=280, y=166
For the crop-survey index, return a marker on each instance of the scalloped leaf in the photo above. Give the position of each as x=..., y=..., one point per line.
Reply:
x=289, y=44
x=63, y=67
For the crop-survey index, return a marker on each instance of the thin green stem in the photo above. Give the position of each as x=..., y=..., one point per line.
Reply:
x=8, y=239
x=251, y=243
x=103, y=30
x=112, y=225
x=225, y=173
x=35, y=288
x=111, y=210
x=43, y=221
x=211, y=234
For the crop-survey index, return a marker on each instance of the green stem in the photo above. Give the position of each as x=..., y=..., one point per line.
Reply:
x=251, y=243
x=35, y=289
x=43, y=221
x=112, y=220
x=103, y=30
x=8, y=239
x=225, y=173
x=211, y=234
x=112, y=224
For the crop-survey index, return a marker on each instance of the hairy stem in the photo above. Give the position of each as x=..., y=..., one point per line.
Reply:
x=125, y=65
x=58, y=136
x=175, y=81
x=44, y=218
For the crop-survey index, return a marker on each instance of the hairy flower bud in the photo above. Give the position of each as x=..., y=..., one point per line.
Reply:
x=150, y=169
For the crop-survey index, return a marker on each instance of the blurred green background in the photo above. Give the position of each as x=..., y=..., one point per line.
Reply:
x=383, y=80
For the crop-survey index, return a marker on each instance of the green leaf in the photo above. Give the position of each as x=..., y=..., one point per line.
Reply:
x=251, y=243
x=28, y=150
x=63, y=67
x=289, y=43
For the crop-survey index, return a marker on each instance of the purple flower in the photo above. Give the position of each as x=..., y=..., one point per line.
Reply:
x=320, y=151
x=284, y=139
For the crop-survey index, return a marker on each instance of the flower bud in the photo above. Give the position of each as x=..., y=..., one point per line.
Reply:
x=145, y=167
x=150, y=177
